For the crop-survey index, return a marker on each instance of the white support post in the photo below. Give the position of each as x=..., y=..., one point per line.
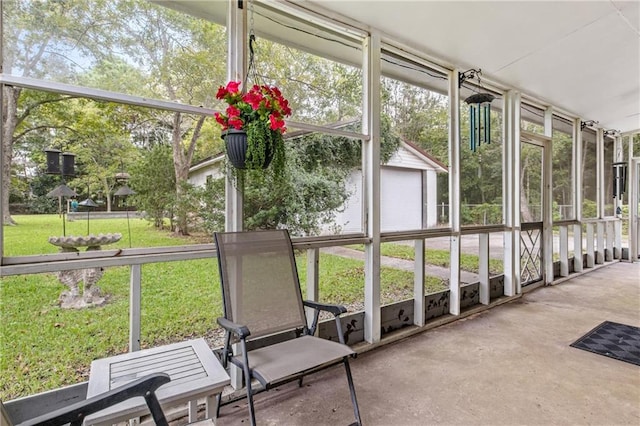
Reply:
x=236, y=70
x=313, y=278
x=454, y=192
x=618, y=157
x=618, y=239
x=590, y=246
x=600, y=198
x=236, y=53
x=135, y=280
x=564, y=251
x=577, y=248
x=371, y=170
x=511, y=190
x=578, y=260
x=418, y=283
x=547, y=199
x=634, y=231
x=511, y=258
x=608, y=253
x=575, y=172
x=600, y=245
x=454, y=283
x=483, y=268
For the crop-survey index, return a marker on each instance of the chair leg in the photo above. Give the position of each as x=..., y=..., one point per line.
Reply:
x=155, y=409
x=218, y=404
x=247, y=378
x=352, y=390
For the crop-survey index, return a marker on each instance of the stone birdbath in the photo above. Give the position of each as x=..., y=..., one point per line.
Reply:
x=82, y=291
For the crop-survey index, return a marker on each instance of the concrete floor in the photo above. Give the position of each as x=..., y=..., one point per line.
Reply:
x=510, y=365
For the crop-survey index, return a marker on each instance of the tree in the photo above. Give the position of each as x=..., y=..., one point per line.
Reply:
x=311, y=190
x=319, y=90
x=40, y=40
x=102, y=150
x=154, y=182
x=182, y=66
x=562, y=166
x=175, y=56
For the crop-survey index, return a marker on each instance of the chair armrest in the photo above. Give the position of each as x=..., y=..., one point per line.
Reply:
x=239, y=330
x=334, y=309
x=75, y=413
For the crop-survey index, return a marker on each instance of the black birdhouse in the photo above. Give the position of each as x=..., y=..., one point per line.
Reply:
x=53, y=161
x=68, y=164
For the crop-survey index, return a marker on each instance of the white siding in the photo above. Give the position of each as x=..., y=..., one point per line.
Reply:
x=350, y=219
x=199, y=177
x=405, y=159
x=401, y=199
x=401, y=194
x=431, y=203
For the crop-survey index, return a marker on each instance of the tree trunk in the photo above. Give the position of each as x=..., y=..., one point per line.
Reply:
x=107, y=192
x=178, y=166
x=181, y=164
x=525, y=211
x=9, y=122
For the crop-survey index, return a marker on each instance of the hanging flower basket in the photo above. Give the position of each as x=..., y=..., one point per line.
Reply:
x=236, y=145
x=253, y=125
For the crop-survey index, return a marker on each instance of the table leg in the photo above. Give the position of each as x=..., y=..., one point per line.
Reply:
x=193, y=411
x=211, y=408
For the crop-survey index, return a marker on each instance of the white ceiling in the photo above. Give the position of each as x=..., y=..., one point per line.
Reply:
x=582, y=56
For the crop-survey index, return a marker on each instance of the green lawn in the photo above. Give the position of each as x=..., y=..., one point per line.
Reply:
x=436, y=257
x=32, y=233
x=44, y=347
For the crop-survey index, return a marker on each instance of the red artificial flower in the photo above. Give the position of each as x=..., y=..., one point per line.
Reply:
x=221, y=119
x=233, y=87
x=233, y=111
x=222, y=92
x=261, y=103
x=253, y=99
x=284, y=106
x=276, y=124
x=236, y=123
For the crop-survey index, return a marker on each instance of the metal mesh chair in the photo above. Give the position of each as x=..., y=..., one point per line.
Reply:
x=261, y=294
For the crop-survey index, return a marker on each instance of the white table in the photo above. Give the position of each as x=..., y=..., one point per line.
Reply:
x=194, y=370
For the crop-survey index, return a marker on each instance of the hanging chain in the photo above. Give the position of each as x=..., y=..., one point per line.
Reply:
x=251, y=22
x=251, y=71
x=478, y=74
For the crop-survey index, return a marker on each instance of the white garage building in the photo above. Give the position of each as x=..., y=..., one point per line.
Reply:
x=408, y=188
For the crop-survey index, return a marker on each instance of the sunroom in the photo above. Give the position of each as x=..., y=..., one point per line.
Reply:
x=541, y=184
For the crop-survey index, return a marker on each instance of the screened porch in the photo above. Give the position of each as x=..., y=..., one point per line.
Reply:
x=408, y=202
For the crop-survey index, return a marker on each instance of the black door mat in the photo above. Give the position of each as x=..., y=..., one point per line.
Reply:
x=618, y=341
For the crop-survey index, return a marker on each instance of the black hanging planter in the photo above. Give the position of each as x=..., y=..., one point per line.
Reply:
x=236, y=143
